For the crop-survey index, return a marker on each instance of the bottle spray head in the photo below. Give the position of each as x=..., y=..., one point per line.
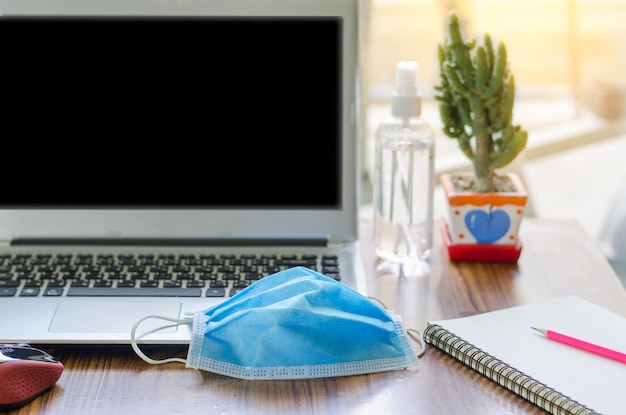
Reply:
x=405, y=97
x=406, y=78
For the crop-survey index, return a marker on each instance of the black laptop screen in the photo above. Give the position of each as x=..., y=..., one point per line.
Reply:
x=171, y=112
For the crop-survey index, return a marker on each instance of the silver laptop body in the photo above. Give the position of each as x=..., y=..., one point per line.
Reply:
x=176, y=134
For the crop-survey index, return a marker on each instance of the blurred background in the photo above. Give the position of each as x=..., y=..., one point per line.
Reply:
x=569, y=62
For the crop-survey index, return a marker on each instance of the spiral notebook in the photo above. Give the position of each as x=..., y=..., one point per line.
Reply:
x=560, y=379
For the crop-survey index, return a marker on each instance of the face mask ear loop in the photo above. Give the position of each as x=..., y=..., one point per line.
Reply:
x=378, y=301
x=420, y=338
x=141, y=354
x=416, y=333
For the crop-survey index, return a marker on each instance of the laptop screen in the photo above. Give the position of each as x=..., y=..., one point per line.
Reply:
x=172, y=112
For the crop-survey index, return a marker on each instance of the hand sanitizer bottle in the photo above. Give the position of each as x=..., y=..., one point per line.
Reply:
x=404, y=175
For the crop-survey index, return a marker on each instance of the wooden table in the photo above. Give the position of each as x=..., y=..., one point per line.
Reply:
x=558, y=259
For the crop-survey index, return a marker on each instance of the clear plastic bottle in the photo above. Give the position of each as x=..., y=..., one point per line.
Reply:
x=404, y=175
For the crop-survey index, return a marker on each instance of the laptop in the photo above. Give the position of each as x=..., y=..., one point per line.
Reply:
x=159, y=157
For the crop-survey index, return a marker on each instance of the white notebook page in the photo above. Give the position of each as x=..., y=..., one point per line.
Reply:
x=594, y=381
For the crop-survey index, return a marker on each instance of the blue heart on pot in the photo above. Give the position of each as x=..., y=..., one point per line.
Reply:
x=487, y=227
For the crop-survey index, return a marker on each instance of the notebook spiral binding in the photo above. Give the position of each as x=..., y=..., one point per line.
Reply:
x=498, y=371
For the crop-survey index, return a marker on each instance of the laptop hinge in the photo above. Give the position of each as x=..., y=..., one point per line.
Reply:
x=335, y=241
x=180, y=242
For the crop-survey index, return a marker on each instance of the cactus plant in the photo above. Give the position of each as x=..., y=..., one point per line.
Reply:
x=476, y=97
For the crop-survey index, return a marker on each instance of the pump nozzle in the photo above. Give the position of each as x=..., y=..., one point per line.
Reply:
x=406, y=78
x=405, y=97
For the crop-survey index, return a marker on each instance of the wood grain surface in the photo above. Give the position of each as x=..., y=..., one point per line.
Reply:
x=557, y=259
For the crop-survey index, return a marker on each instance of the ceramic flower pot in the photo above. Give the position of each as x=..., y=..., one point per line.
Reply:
x=484, y=226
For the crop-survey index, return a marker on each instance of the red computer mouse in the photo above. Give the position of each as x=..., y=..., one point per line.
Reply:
x=25, y=373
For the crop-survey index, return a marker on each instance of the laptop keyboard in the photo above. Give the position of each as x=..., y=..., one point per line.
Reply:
x=145, y=275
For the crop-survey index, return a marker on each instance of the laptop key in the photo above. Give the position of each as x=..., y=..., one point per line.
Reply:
x=216, y=292
x=7, y=291
x=235, y=290
x=30, y=292
x=53, y=291
x=334, y=275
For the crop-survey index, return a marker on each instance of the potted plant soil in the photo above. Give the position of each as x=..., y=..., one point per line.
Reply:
x=476, y=96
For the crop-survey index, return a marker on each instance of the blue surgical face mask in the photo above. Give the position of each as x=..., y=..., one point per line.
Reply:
x=296, y=324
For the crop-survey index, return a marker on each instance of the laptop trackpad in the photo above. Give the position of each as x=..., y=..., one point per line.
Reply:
x=113, y=317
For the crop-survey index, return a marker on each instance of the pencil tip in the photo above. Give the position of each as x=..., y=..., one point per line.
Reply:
x=540, y=331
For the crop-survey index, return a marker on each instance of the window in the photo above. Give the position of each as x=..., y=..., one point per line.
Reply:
x=568, y=58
